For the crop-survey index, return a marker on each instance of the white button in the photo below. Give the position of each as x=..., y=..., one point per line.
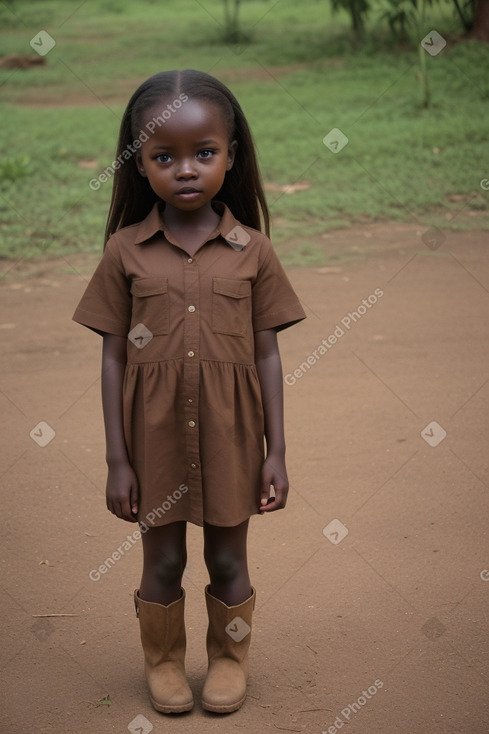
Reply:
x=191, y=354
x=191, y=424
x=193, y=466
x=191, y=309
x=190, y=260
x=190, y=400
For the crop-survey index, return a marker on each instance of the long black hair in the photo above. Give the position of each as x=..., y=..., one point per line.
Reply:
x=242, y=189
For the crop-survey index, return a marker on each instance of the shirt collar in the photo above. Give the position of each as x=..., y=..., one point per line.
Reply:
x=228, y=227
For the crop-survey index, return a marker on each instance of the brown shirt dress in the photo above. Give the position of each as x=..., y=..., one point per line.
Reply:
x=192, y=410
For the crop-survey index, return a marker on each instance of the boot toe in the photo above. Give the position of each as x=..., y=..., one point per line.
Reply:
x=170, y=705
x=169, y=691
x=224, y=694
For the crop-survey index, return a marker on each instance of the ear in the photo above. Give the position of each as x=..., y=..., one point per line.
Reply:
x=233, y=146
x=139, y=164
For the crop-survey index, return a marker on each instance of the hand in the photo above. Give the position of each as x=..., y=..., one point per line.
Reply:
x=122, y=492
x=274, y=474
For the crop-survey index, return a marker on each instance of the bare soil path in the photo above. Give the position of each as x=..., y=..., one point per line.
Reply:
x=372, y=586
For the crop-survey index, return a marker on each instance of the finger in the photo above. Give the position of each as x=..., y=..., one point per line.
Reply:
x=277, y=502
x=281, y=496
x=127, y=513
x=134, y=498
x=121, y=510
x=266, y=482
x=271, y=506
x=265, y=496
x=265, y=503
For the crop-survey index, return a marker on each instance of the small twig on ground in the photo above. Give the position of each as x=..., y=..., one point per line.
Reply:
x=61, y=614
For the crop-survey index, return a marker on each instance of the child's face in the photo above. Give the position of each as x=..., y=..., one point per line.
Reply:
x=186, y=157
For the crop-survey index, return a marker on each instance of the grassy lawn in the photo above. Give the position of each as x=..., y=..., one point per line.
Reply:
x=299, y=77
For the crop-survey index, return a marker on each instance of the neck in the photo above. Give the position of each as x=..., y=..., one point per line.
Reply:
x=203, y=218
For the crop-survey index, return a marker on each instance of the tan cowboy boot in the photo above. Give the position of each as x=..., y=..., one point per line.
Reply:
x=228, y=642
x=164, y=643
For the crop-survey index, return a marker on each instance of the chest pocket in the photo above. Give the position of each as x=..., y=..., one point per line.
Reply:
x=150, y=304
x=231, y=306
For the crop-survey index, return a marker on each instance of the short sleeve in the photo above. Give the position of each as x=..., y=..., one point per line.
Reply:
x=275, y=303
x=106, y=304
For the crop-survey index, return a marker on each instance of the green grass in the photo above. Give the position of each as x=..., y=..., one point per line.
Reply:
x=401, y=162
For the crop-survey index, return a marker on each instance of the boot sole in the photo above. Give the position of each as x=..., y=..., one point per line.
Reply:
x=223, y=708
x=169, y=709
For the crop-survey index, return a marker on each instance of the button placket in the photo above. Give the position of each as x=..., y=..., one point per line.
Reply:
x=191, y=377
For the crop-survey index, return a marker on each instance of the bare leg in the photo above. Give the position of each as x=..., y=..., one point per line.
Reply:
x=226, y=560
x=165, y=558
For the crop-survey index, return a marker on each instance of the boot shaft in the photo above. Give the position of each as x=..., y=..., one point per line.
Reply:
x=229, y=630
x=162, y=629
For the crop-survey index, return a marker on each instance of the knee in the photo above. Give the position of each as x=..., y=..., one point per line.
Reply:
x=169, y=568
x=223, y=567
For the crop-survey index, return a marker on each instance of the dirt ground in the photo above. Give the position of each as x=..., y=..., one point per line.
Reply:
x=372, y=585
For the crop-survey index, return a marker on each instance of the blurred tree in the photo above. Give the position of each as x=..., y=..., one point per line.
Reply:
x=358, y=11
x=401, y=17
x=233, y=33
x=466, y=13
x=480, y=26
x=407, y=21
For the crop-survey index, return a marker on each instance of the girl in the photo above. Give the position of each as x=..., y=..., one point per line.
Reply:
x=189, y=296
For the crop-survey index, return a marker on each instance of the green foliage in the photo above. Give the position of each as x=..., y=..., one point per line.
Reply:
x=358, y=11
x=400, y=15
x=466, y=11
x=12, y=169
x=298, y=79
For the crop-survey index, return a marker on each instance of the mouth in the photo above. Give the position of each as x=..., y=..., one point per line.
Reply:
x=188, y=192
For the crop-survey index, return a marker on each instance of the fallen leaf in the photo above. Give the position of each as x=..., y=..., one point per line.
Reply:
x=105, y=701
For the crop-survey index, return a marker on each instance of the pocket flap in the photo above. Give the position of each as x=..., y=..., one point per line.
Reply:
x=232, y=288
x=149, y=286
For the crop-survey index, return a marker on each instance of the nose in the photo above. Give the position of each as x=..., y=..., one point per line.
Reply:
x=186, y=170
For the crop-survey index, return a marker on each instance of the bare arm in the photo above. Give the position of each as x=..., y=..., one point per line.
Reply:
x=122, y=487
x=269, y=369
